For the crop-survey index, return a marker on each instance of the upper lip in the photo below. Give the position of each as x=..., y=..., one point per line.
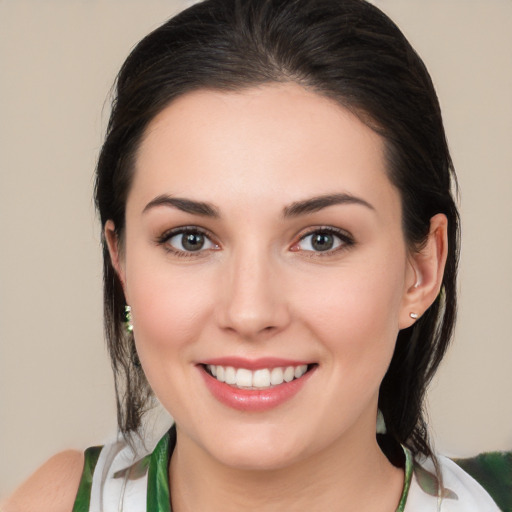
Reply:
x=254, y=364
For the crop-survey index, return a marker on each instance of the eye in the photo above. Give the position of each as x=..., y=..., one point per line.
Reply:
x=323, y=240
x=187, y=240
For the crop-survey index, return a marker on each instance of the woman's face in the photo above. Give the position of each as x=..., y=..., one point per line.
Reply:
x=264, y=240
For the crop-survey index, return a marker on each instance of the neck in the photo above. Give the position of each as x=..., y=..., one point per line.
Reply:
x=352, y=474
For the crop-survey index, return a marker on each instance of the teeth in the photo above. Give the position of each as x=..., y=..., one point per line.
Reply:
x=258, y=379
x=289, y=373
x=276, y=376
x=261, y=378
x=230, y=375
x=300, y=371
x=243, y=378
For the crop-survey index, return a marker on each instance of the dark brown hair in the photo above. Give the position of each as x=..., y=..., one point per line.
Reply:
x=347, y=50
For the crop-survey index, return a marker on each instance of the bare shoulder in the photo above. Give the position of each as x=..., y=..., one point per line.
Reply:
x=52, y=487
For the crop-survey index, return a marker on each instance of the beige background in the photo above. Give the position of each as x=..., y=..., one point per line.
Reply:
x=57, y=62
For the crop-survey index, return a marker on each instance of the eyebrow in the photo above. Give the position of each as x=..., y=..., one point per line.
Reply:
x=185, y=205
x=318, y=203
x=295, y=209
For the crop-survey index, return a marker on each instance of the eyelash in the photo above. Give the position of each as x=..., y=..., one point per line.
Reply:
x=346, y=241
x=164, y=239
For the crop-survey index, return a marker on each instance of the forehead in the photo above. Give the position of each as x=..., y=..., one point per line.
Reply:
x=276, y=141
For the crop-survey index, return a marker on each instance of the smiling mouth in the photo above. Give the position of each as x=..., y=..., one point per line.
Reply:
x=263, y=378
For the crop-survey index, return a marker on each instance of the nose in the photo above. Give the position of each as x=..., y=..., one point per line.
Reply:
x=253, y=302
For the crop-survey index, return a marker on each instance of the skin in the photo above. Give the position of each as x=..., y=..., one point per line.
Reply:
x=52, y=488
x=258, y=288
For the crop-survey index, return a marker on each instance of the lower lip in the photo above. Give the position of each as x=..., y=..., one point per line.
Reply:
x=254, y=400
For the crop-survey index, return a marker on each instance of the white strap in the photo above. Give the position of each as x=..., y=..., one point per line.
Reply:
x=118, y=485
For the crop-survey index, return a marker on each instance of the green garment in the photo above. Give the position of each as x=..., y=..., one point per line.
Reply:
x=492, y=470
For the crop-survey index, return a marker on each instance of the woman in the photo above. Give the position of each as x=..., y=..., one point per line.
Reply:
x=280, y=251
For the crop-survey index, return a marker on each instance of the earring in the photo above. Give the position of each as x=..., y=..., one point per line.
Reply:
x=381, y=424
x=128, y=319
x=414, y=315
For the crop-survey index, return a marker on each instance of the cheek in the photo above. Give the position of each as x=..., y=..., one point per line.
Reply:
x=356, y=312
x=168, y=308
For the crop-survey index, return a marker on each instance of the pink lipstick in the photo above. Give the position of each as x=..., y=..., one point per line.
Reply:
x=255, y=385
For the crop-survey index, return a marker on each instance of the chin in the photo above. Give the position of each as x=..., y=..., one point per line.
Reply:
x=257, y=460
x=256, y=451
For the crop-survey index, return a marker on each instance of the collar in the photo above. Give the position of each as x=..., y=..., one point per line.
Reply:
x=159, y=497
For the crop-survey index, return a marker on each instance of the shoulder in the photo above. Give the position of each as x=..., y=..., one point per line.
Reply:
x=461, y=492
x=467, y=490
x=493, y=471
x=51, y=488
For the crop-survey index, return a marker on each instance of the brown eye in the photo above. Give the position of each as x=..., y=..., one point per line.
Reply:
x=190, y=241
x=324, y=240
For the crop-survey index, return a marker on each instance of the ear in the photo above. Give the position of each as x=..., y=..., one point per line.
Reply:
x=424, y=275
x=114, y=250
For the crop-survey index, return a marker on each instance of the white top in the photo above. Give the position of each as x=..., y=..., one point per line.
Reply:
x=120, y=485
x=462, y=492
